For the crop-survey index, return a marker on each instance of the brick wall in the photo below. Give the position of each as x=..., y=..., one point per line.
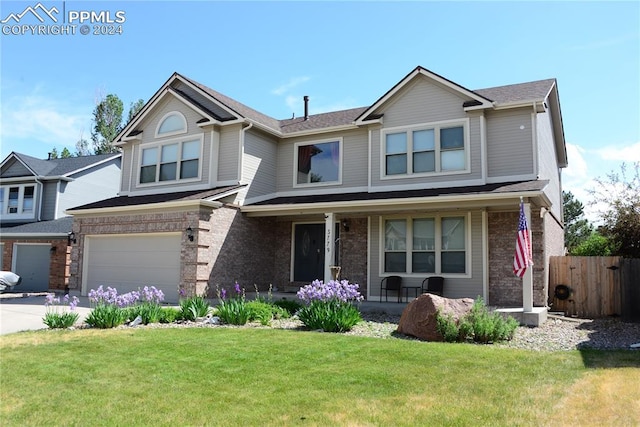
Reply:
x=242, y=249
x=505, y=289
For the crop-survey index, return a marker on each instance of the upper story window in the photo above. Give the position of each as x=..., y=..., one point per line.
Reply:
x=420, y=245
x=172, y=161
x=318, y=163
x=425, y=149
x=172, y=123
x=17, y=199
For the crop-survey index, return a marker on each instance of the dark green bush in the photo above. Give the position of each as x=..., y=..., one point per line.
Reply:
x=291, y=306
x=169, y=315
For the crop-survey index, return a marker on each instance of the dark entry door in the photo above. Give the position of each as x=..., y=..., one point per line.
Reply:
x=308, y=262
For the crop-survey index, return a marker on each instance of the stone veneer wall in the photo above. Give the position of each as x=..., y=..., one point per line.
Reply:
x=240, y=249
x=505, y=289
x=60, y=260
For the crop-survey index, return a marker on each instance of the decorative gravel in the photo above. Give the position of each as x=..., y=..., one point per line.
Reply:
x=557, y=334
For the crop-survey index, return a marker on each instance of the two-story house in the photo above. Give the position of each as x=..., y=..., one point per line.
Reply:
x=34, y=194
x=424, y=182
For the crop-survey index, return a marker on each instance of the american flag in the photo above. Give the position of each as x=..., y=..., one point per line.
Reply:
x=523, y=257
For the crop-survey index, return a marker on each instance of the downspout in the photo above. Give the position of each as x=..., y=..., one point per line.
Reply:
x=240, y=159
x=40, y=199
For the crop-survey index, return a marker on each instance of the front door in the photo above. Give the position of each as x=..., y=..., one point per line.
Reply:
x=308, y=258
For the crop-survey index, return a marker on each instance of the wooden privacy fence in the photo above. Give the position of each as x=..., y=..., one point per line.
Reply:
x=592, y=287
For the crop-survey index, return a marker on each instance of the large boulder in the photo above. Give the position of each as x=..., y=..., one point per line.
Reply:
x=419, y=318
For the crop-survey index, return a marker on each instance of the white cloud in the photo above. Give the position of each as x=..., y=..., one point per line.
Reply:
x=622, y=153
x=38, y=118
x=292, y=83
x=577, y=165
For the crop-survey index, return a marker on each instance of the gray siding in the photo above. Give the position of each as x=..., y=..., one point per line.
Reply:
x=259, y=165
x=509, y=144
x=49, y=191
x=14, y=169
x=229, y=153
x=548, y=162
x=426, y=102
x=455, y=287
x=354, y=160
x=91, y=185
x=149, y=124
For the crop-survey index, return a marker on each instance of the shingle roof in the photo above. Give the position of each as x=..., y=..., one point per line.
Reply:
x=122, y=201
x=536, y=90
x=58, y=167
x=57, y=226
x=407, y=194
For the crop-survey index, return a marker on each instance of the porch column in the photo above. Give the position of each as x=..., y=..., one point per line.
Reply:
x=329, y=245
x=527, y=279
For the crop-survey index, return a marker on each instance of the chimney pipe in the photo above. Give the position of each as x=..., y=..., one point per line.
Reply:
x=306, y=107
x=50, y=154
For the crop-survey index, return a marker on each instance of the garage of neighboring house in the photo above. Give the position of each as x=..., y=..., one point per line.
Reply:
x=32, y=261
x=133, y=261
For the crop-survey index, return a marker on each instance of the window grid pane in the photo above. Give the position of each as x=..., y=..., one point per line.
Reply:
x=452, y=138
x=173, y=123
x=318, y=163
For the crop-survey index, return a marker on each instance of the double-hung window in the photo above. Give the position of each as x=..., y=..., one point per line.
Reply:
x=419, y=245
x=318, y=163
x=17, y=200
x=425, y=149
x=171, y=162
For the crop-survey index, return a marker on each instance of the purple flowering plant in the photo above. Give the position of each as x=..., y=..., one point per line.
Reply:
x=333, y=290
x=111, y=309
x=56, y=317
x=232, y=309
x=330, y=306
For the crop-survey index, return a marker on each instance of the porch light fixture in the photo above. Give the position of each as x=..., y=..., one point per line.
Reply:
x=71, y=238
x=190, y=234
x=345, y=224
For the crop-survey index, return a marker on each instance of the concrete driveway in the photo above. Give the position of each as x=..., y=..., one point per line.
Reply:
x=24, y=312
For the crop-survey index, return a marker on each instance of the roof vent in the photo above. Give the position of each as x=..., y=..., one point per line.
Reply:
x=306, y=107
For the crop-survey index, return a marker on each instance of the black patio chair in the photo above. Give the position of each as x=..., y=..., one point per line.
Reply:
x=391, y=283
x=434, y=285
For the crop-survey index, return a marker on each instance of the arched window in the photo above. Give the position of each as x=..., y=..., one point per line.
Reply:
x=171, y=124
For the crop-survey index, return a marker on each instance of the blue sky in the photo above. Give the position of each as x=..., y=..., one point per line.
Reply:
x=342, y=54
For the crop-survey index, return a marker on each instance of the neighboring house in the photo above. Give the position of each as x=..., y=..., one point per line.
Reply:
x=34, y=195
x=425, y=181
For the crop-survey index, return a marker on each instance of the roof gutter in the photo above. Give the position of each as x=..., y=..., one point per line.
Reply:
x=180, y=204
x=373, y=205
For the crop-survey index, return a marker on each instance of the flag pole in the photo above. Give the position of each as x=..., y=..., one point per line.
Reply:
x=527, y=279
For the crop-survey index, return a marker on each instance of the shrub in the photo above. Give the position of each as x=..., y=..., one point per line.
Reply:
x=233, y=310
x=290, y=306
x=169, y=315
x=106, y=316
x=260, y=311
x=54, y=318
x=330, y=306
x=479, y=325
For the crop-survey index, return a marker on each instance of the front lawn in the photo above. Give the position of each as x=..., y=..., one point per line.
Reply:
x=247, y=376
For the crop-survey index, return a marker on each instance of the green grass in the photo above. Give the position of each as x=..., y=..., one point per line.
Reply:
x=227, y=376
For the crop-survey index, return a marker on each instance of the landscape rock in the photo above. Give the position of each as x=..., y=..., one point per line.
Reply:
x=419, y=318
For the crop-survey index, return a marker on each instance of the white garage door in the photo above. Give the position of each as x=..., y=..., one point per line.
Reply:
x=130, y=262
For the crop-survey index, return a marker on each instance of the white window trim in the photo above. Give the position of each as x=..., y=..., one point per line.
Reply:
x=465, y=123
x=339, y=140
x=19, y=215
x=159, y=145
x=438, y=249
x=177, y=132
